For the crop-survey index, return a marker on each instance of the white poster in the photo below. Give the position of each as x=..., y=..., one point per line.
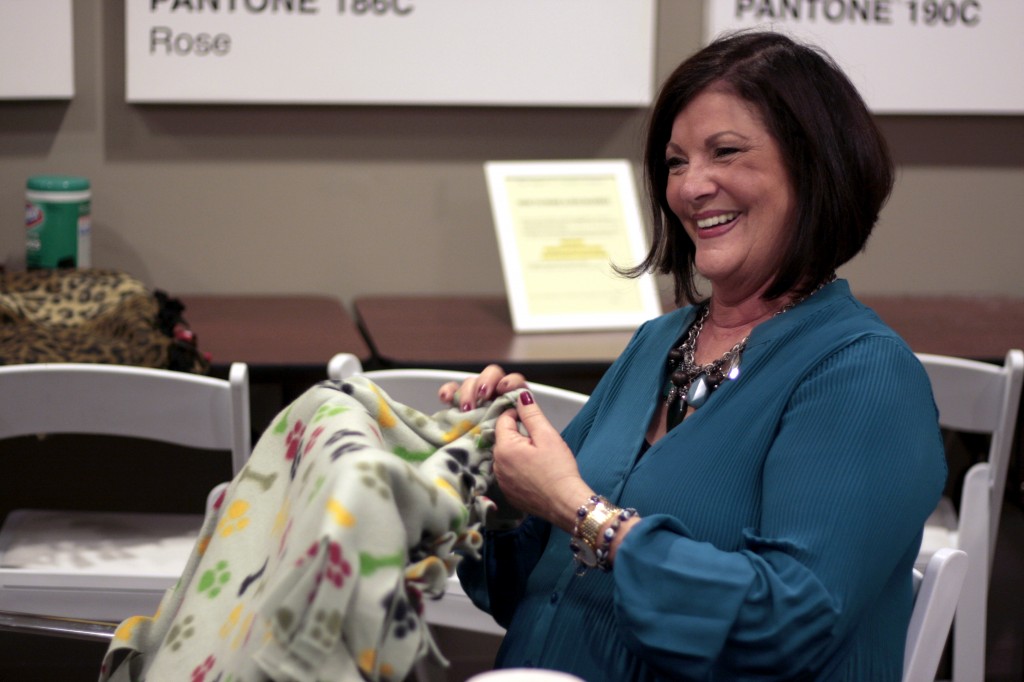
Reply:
x=36, y=49
x=905, y=56
x=415, y=52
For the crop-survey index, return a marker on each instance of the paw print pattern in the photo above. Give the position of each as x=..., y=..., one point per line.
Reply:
x=311, y=552
x=235, y=518
x=299, y=456
x=200, y=671
x=285, y=618
x=403, y=614
x=312, y=439
x=293, y=440
x=337, y=567
x=180, y=632
x=241, y=627
x=469, y=475
x=213, y=580
x=375, y=477
x=326, y=628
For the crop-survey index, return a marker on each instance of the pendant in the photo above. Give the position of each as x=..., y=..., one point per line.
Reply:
x=676, y=412
x=732, y=371
x=698, y=392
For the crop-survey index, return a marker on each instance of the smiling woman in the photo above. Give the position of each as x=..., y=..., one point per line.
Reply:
x=729, y=188
x=737, y=462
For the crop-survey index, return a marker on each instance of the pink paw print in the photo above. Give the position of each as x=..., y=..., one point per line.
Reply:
x=199, y=674
x=293, y=440
x=312, y=440
x=313, y=550
x=338, y=567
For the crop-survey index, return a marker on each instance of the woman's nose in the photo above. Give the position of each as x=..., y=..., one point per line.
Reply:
x=696, y=184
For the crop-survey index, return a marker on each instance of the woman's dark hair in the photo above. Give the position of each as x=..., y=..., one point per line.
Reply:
x=836, y=157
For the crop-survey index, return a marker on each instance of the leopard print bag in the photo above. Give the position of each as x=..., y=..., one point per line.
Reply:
x=92, y=315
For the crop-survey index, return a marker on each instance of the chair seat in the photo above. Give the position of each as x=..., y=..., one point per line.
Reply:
x=93, y=565
x=456, y=610
x=940, y=530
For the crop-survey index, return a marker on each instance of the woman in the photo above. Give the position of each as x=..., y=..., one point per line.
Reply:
x=778, y=442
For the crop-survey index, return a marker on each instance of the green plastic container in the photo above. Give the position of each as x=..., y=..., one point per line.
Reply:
x=58, y=222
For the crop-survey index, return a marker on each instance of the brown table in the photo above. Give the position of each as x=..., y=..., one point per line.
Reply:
x=422, y=331
x=470, y=332
x=281, y=332
x=977, y=327
x=286, y=340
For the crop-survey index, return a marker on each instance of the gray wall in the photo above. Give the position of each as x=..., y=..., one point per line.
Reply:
x=358, y=200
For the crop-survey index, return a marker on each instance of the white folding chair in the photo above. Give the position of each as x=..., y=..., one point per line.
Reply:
x=973, y=397
x=76, y=628
x=936, y=593
x=109, y=565
x=418, y=388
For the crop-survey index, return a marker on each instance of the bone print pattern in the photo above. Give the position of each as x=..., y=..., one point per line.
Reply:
x=352, y=509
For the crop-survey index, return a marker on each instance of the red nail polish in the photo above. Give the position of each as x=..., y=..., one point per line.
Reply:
x=466, y=407
x=482, y=391
x=525, y=398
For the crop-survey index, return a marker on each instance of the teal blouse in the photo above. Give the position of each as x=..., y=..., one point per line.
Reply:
x=780, y=521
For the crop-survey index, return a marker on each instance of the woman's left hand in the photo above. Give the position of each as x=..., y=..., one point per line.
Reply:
x=538, y=472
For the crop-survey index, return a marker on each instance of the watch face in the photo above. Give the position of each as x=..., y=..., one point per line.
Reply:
x=584, y=553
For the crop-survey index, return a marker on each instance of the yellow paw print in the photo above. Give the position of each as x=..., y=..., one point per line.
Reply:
x=235, y=518
x=368, y=661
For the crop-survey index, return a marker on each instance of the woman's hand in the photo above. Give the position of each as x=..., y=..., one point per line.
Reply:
x=491, y=382
x=537, y=473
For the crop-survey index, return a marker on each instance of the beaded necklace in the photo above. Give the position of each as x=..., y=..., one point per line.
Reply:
x=690, y=384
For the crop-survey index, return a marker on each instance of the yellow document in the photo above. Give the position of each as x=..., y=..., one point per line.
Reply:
x=562, y=227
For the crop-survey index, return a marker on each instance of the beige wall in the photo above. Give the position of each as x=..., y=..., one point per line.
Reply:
x=357, y=200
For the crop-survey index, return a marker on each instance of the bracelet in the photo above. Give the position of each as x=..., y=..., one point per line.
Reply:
x=588, y=549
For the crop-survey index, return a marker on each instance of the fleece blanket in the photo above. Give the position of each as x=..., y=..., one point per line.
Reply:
x=314, y=564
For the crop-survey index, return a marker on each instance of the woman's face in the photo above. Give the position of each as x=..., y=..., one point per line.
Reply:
x=728, y=186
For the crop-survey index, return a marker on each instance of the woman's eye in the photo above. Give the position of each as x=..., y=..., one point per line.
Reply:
x=674, y=163
x=722, y=152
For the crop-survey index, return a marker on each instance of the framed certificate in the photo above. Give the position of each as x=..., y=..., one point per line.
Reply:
x=563, y=227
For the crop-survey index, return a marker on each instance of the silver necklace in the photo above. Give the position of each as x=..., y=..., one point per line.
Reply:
x=690, y=384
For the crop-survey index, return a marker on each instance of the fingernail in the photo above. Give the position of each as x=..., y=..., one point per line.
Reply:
x=466, y=407
x=502, y=385
x=482, y=391
x=525, y=398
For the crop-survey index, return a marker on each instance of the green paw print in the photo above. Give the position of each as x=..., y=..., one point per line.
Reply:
x=326, y=627
x=285, y=618
x=179, y=632
x=214, y=579
x=375, y=478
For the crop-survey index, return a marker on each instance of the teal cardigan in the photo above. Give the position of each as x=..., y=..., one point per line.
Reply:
x=780, y=521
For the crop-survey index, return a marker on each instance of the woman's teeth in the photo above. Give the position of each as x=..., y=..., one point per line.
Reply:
x=716, y=220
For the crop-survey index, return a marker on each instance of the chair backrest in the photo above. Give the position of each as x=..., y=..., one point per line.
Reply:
x=937, y=591
x=418, y=388
x=979, y=397
x=118, y=400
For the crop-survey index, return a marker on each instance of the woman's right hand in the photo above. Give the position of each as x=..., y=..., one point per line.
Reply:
x=488, y=384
